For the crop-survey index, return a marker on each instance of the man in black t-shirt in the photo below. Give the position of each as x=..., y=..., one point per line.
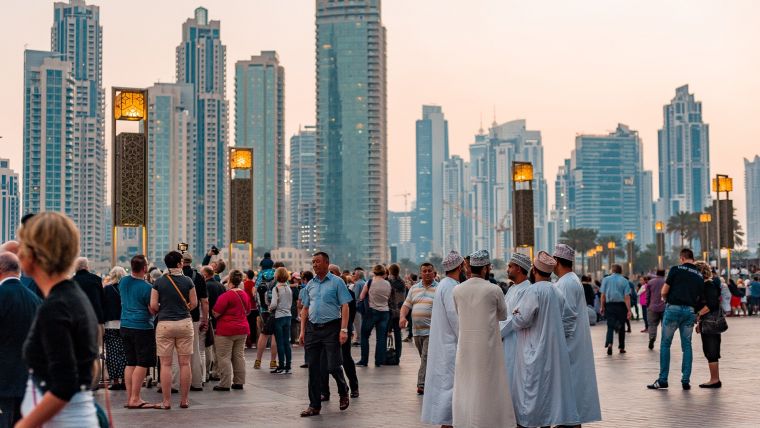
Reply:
x=200, y=323
x=683, y=291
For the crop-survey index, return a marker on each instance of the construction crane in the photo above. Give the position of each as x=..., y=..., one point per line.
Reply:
x=498, y=228
x=406, y=199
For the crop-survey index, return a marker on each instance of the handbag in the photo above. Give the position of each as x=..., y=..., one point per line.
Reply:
x=178, y=292
x=210, y=335
x=714, y=322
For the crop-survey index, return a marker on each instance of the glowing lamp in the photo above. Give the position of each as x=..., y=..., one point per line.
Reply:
x=599, y=248
x=522, y=172
x=129, y=105
x=705, y=218
x=611, y=245
x=659, y=226
x=723, y=184
x=630, y=236
x=241, y=159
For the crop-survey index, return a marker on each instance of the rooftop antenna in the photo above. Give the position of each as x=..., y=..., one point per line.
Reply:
x=480, y=131
x=494, y=116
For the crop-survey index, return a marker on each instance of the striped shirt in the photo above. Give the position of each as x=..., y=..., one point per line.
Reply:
x=420, y=302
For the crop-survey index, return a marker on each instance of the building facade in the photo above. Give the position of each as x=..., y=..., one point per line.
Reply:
x=456, y=180
x=171, y=144
x=684, y=157
x=400, y=232
x=259, y=123
x=303, y=196
x=48, y=173
x=609, y=181
x=201, y=62
x=9, y=201
x=752, y=191
x=432, y=151
x=351, y=131
x=76, y=35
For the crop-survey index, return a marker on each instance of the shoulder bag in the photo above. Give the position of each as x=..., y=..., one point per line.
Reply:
x=714, y=322
x=178, y=292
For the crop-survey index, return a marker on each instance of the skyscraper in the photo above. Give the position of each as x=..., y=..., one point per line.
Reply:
x=351, y=131
x=9, y=201
x=49, y=163
x=432, y=133
x=76, y=34
x=303, y=196
x=201, y=62
x=456, y=180
x=564, y=199
x=609, y=183
x=171, y=160
x=259, y=123
x=684, y=157
x=491, y=158
x=752, y=189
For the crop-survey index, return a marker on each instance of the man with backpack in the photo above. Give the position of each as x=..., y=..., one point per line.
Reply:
x=265, y=283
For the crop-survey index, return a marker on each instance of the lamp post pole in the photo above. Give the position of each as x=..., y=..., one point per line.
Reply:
x=630, y=236
x=660, y=227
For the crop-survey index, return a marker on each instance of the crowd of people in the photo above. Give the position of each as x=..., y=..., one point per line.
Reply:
x=491, y=354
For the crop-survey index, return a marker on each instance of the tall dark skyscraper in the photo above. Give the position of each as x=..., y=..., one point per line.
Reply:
x=432, y=135
x=351, y=131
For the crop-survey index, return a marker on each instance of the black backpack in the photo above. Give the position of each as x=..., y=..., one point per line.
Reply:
x=391, y=357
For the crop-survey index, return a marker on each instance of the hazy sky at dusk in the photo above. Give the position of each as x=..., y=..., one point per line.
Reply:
x=566, y=67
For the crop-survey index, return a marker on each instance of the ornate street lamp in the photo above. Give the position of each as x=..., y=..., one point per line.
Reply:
x=724, y=216
x=522, y=206
x=704, y=220
x=599, y=254
x=241, y=199
x=630, y=236
x=659, y=227
x=130, y=164
x=611, y=255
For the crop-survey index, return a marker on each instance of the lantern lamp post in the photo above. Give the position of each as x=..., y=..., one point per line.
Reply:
x=630, y=237
x=659, y=227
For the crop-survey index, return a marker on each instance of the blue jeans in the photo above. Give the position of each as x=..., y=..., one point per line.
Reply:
x=679, y=318
x=282, y=337
x=378, y=320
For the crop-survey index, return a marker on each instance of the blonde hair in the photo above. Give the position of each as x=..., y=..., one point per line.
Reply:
x=704, y=269
x=379, y=270
x=51, y=239
x=116, y=274
x=281, y=275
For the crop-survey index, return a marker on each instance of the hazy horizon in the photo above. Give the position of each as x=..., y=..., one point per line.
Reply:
x=565, y=67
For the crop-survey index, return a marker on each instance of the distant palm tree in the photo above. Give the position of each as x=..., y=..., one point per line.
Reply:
x=582, y=240
x=682, y=224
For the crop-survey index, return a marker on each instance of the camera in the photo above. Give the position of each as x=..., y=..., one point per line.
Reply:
x=215, y=250
x=182, y=247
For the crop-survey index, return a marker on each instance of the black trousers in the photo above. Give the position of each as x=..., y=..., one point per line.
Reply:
x=393, y=325
x=711, y=347
x=348, y=366
x=319, y=339
x=10, y=411
x=617, y=315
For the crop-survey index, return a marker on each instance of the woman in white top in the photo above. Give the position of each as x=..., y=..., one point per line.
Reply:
x=375, y=295
x=282, y=299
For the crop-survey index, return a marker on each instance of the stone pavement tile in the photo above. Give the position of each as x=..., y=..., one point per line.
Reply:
x=389, y=399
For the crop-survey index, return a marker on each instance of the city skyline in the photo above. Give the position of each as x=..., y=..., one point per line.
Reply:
x=715, y=64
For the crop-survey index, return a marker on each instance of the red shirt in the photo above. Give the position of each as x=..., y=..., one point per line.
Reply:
x=232, y=307
x=250, y=285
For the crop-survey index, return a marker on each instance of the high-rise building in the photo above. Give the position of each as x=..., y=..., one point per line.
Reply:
x=303, y=191
x=609, y=180
x=432, y=134
x=684, y=157
x=752, y=189
x=259, y=123
x=9, y=201
x=491, y=158
x=77, y=36
x=646, y=235
x=48, y=173
x=351, y=131
x=456, y=181
x=171, y=160
x=400, y=225
x=201, y=62
x=564, y=199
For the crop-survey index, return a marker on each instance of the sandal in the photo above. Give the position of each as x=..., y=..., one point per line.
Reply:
x=162, y=406
x=143, y=405
x=184, y=405
x=311, y=411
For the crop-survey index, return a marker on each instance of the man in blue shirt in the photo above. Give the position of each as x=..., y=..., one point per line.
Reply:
x=754, y=295
x=137, y=330
x=18, y=307
x=324, y=328
x=616, y=306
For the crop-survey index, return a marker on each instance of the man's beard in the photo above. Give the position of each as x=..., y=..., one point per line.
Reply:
x=532, y=277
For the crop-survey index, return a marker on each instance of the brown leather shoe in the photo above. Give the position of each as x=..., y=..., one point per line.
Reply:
x=311, y=411
x=344, y=402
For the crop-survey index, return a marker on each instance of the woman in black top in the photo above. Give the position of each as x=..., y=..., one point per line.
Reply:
x=62, y=344
x=710, y=342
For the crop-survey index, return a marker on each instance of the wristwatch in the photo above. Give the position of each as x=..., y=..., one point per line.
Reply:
x=344, y=330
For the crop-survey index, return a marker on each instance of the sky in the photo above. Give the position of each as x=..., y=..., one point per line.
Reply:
x=567, y=67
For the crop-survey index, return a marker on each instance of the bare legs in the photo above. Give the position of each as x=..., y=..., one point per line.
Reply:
x=185, y=376
x=133, y=379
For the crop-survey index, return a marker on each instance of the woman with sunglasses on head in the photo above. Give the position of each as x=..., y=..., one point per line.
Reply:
x=62, y=344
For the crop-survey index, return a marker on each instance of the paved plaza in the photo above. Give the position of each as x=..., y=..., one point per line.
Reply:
x=389, y=399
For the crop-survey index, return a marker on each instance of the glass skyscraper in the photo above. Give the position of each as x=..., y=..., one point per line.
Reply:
x=351, y=131
x=201, y=62
x=9, y=201
x=684, y=157
x=78, y=37
x=609, y=181
x=456, y=176
x=259, y=123
x=49, y=159
x=303, y=189
x=752, y=191
x=171, y=159
x=432, y=137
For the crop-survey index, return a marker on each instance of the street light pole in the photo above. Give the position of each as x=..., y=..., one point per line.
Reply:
x=660, y=228
x=630, y=236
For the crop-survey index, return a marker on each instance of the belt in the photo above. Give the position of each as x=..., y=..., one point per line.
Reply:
x=325, y=324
